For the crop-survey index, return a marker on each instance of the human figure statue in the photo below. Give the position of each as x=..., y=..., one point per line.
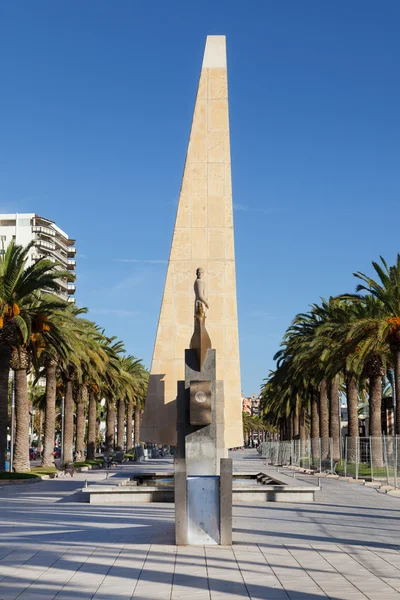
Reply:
x=200, y=292
x=200, y=341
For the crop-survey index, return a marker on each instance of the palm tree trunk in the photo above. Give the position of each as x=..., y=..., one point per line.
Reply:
x=315, y=428
x=50, y=414
x=397, y=387
x=290, y=420
x=80, y=431
x=21, y=454
x=5, y=355
x=81, y=403
x=120, y=423
x=68, y=441
x=110, y=426
x=296, y=423
x=40, y=435
x=91, y=438
x=352, y=410
x=129, y=430
x=334, y=426
x=137, y=423
x=302, y=431
x=324, y=419
x=375, y=419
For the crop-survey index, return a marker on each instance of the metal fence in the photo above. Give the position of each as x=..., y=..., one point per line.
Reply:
x=369, y=458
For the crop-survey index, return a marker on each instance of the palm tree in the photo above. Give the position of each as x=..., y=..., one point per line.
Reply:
x=111, y=385
x=129, y=425
x=367, y=357
x=139, y=400
x=39, y=312
x=135, y=394
x=17, y=284
x=68, y=441
x=37, y=399
x=53, y=356
x=387, y=291
x=334, y=422
x=92, y=420
x=20, y=363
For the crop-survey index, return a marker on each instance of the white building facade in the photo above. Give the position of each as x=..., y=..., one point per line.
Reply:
x=50, y=242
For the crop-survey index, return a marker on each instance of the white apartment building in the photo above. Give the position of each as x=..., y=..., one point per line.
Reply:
x=51, y=242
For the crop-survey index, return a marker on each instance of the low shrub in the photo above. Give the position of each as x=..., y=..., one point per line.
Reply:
x=19, y=476
x=89, y=463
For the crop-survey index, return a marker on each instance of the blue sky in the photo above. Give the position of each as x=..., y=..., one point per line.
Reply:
x=95, y=110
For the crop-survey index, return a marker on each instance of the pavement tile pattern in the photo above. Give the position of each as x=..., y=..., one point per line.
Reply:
x=344, y=546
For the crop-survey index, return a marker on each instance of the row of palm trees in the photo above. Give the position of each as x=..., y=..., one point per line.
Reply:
x=43, y=337
x=348, y=344
x=255, y=429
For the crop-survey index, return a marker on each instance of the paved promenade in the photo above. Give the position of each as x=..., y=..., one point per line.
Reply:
x=345, y=546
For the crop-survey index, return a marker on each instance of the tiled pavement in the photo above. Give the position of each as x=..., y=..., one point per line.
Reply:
x=344, y=546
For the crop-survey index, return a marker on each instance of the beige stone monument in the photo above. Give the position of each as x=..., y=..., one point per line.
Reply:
x=203, y=238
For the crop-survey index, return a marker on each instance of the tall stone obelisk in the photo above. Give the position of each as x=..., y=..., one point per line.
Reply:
x=203, y=237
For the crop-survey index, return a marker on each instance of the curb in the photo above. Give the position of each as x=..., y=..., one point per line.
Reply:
x=87, y=468
x=23, y=481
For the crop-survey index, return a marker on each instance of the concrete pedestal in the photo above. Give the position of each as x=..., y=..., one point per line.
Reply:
x=203, y=474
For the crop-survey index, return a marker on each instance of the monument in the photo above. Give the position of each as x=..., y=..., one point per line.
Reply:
x=203, y=243
x=203, y=474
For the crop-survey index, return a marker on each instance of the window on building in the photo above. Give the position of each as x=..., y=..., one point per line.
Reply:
x=24, y=222
x=7, y=222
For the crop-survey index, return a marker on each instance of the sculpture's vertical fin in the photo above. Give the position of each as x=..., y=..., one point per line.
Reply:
x=203, y=237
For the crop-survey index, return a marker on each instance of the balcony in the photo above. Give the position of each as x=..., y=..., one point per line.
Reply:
x=45, y=245
x=71, y=251
x=71, y=288
x=37, y=257
x=63, y=284
x=60, y=257
x=43, y=230
x=72, y=300
x=71, y=264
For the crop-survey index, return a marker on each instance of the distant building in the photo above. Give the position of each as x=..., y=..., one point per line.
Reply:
x=51, y=242
x=246, y=406
x=251, y=405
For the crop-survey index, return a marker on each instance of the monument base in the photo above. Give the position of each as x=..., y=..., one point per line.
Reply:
x=203, y=506
x=203, y=474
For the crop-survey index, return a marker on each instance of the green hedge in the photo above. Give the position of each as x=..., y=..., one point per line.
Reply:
x=89, y=463
x=19, y=475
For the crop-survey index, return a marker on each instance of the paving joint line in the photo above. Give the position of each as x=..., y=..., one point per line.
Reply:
x=364, y=567
x=342, y=574
x=208, y=575
x=241, y=574
x=43, y=572
x=173, y=574
x=74, y=573
x=380, y=556
x=109, y=569
x=22, y=564
x=141, y=571
x=305, y=571
x=272, y=569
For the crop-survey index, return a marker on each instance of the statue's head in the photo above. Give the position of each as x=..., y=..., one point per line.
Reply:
x=199, y=273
